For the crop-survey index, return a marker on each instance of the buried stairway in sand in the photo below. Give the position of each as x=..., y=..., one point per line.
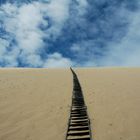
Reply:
x=79, y=123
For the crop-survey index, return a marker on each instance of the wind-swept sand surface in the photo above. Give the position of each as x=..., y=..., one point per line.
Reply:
x=113, y=99
x=35, y=103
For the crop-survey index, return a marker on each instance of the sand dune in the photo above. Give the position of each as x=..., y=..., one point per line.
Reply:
x=113, y=99
x=35, y=103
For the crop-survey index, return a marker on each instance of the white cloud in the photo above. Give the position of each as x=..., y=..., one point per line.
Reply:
x=58, y=10
x=3, y=46
x=122, y=50
x=82, y=7
x=24, y=39
x=33, y=60
x=22, y=23
x=57, y=60
x=127, y=51
x=75, y=48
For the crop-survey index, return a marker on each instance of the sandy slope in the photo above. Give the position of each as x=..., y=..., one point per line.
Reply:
x=35, y=103
x=113, y=99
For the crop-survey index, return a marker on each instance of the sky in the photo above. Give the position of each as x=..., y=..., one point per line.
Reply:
x=64, y=33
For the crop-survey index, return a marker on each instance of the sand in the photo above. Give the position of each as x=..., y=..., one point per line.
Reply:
x=35, y=103
x=113, y=99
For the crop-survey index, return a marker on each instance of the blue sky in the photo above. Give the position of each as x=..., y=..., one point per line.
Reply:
x=64, y=33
